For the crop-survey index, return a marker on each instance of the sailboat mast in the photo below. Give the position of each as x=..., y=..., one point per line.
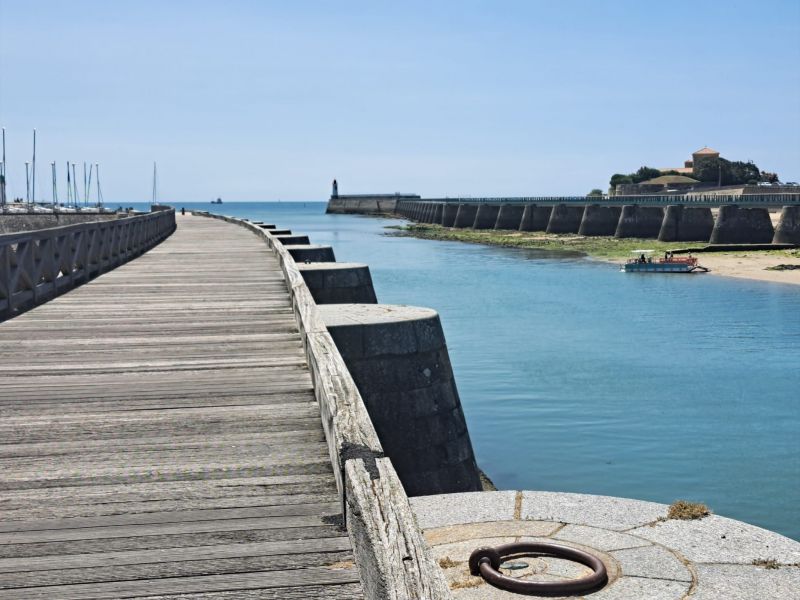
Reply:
x=69, y=186
x=88, y=187
x=33, y=170
x=3, y=174
x=55, y=185
x=99, y=194
x=155, y=178
x=75, y=197
x=27, y=182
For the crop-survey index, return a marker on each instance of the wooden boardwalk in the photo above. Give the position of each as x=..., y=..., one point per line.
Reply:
x=159, y=436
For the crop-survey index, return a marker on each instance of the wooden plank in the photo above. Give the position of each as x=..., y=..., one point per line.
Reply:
x=161, y=435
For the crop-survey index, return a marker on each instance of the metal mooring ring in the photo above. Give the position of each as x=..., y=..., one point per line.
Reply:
x=486, y=563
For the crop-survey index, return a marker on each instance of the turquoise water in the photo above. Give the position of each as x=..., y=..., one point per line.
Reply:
x=576, y=377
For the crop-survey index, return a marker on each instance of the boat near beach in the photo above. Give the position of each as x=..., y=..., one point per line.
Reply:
x=644, y=263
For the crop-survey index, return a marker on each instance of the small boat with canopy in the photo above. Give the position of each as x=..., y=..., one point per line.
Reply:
x=644, y=263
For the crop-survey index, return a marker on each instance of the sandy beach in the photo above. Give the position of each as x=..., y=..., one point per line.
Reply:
x=751, y=265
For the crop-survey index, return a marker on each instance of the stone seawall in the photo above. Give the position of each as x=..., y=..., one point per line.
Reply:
x=16, y=222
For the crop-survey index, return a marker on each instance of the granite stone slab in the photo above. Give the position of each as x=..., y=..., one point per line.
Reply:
x=606, y=512
x=716, y=539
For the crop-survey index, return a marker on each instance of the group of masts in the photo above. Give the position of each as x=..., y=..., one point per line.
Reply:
x=74, y=198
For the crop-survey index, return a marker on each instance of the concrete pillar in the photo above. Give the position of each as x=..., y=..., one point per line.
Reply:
x=486, y=216
x=565, y=219
x=339, y=283
x=535, y=217
x=736, y=225
x=280, y=231
x=437, y=213
x=292, y=240
x=686, y=224
x=599, y=220
x=788, y=230
x=465, y=216
x=449, y=213
x=311, y=253
x=640, y=221
x=509, y=217
x=266, y=225
x=399, y=361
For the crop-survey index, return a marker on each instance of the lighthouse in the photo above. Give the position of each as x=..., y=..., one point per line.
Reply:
x=335, y=190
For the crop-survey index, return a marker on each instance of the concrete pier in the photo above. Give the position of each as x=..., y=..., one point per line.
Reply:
x=509, y=217
x=338, y=283
x=565, y=219
x=465, y=216
x=311, y=253
x=399, y=361
x=449, y=213
x=486, y=216
x=599, y=220
x=788, y=229
x=737, y=225
x=640, y=221
x=686, y=224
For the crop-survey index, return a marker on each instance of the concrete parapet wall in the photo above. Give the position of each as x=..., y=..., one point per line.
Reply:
x=737, y=225
x=788, y=229
x=686, y=224
x=565, y=219
x=486, y=216
x=449, y=213
x=640, y=221
x=16, y=222
x=465, y=216
x=339, y=283
x=399, y=361
x=509, y=217
x=293, y=240
x=599, y=220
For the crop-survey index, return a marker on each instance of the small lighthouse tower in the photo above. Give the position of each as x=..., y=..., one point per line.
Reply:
x=335, y=190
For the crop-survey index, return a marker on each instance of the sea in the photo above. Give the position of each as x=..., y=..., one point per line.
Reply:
x=576, y=377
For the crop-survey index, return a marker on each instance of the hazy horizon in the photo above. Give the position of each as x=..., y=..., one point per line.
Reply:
x=254, y=101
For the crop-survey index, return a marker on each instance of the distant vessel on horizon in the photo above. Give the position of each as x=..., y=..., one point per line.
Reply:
x=217, y=201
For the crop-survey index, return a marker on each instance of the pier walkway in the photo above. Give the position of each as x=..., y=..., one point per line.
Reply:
x=160, y=437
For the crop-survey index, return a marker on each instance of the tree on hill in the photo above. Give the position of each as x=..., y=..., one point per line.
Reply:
x=620, y=179
x=645, y=173
x=595, y=192
x=727, y=172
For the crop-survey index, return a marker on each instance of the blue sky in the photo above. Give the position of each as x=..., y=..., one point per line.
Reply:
x=254, y=100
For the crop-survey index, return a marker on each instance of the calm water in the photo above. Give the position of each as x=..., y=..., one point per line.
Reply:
x=575, y=377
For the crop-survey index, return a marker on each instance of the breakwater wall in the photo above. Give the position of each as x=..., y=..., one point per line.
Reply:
x=15, y=222
x=733, y=224
x=367, y=204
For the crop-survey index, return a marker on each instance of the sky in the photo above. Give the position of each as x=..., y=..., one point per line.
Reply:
x=258, y=100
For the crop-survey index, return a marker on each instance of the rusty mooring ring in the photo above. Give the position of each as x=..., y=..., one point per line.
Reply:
x=486, y=563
